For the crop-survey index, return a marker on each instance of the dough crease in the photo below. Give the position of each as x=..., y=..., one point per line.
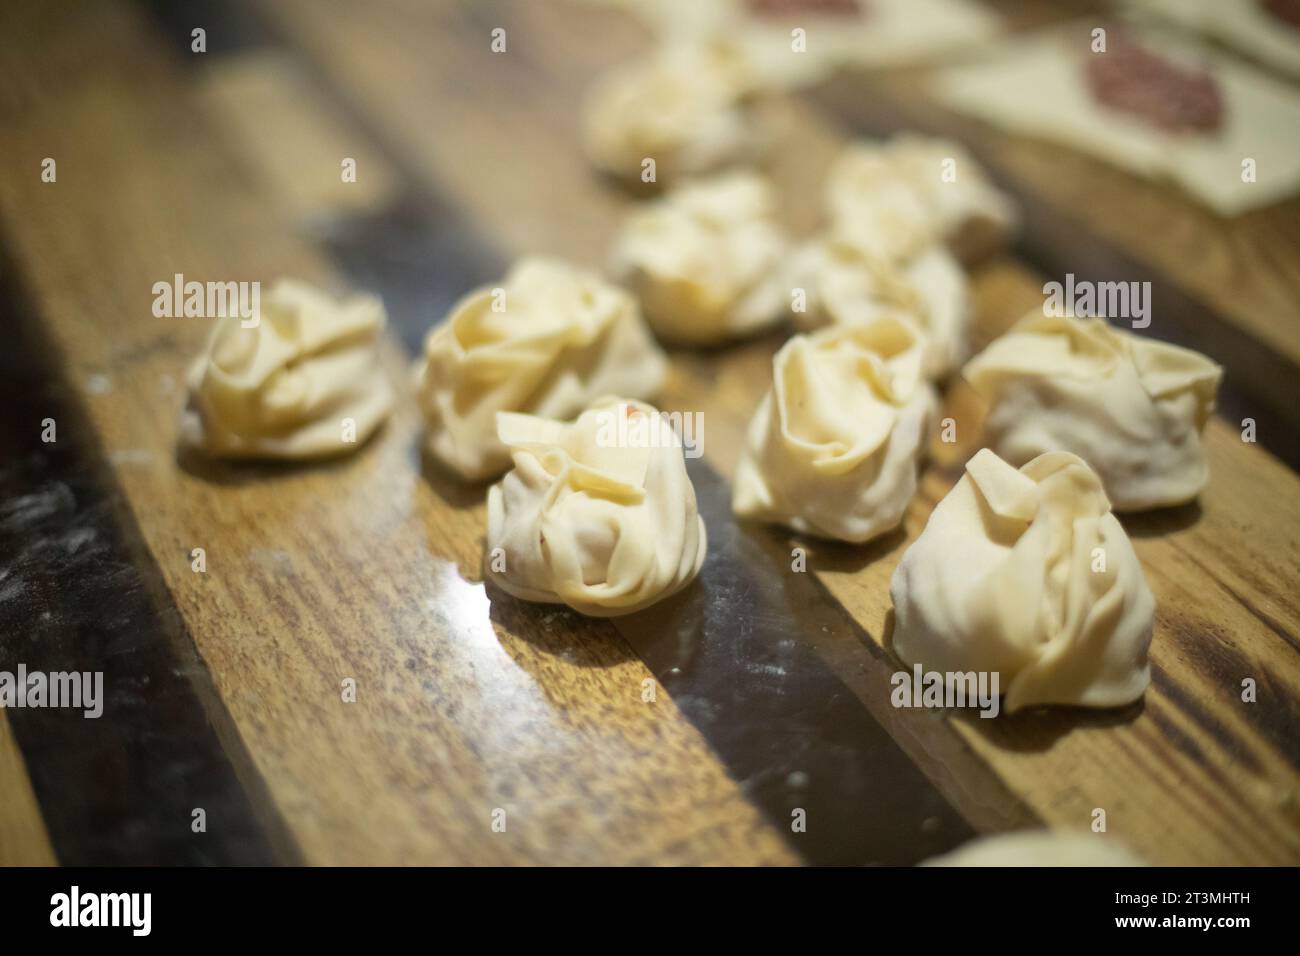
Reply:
x=304, y=382
x=600, y=517
x=1028, y=574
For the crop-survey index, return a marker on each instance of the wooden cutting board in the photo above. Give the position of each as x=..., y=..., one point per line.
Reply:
x=704, y=730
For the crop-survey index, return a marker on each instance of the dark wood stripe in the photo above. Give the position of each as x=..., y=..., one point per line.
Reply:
x=80, y=592
x=738, y=651
x=230, y=27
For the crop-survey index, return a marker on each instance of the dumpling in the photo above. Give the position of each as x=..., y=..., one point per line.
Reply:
x=834, y=447
x=547, y=341
x=1039, y=848
x=1027, y=574
x=705, y=260
x=597, y=515
x=1131, y=407
x=305, y=381
x=845, y=283
x=686, y=107
x=901, y=196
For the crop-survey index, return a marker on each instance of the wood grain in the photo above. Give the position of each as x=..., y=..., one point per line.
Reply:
x=369, y=567
x=457, y=714
x=1194, y=776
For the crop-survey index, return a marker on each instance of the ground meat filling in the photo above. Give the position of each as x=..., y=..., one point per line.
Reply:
x=1173, y=97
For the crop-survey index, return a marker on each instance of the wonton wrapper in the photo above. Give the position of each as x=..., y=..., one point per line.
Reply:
x=1244, y=25
x=1131, y=407
x=1028, y=574
x=685, y=107
x=1039, y=848
x=834, y=447
x=845, y=284
x=899, y=197
x=605, y=527
x=564, y=338
x=1036, y=86
x=705, y=260
x=286, y=387
x=879, y=33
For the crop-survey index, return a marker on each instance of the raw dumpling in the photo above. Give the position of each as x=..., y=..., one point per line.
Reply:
x=548, y=341
x=303, y=382
x=1026, y=573
x=597, y=515
x=685, y=108
x=1039, y=848
x=1132, y=408
x=899, y=197
x=834, y=447
x=845, y=283
x=705, y=260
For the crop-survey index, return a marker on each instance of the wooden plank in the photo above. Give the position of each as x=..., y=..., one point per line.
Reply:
x=291, y=142
x=457, y=714
x=23, y=840
x=1184, y=778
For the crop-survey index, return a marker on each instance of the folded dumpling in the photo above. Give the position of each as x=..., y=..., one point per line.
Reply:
x=685, y=107
x=304, y=381
x=547, y=341
x=1131, y=407
x=598, y=513
x=903, y=195
x=844, y=282
x=834, y=447
x=705, y=260
x=1026, y=573
x=1039, y=848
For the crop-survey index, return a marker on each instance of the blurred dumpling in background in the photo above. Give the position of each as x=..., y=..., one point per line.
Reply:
x=906, y=194
x=835, y=445
x=833, y=33
x=843, y=284
x=1039, y=848
x=547, y=341
x=684, y=106
x=1133, y=408
x=705, y=260
x=1027, y=574
x=305, y=381
x=597, y=515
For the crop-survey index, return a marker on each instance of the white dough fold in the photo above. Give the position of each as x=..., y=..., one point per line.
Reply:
x=595, y=516
x=1028, y=574
x=685, y=107
x=1133, y=408
x=304, y=382
x=901, y=196
x=834, y=447
x=705, y=260
x=845, y=283
x=547, y=341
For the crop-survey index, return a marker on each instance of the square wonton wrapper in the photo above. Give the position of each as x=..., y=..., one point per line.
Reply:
x=1035, y=86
